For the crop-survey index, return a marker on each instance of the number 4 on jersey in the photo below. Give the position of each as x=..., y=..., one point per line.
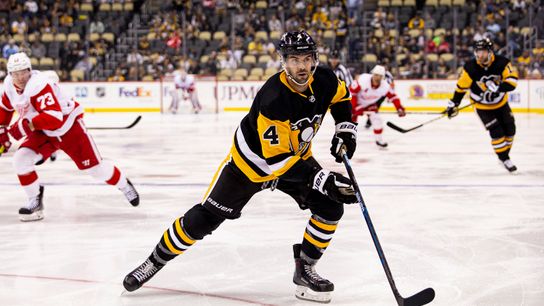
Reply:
x=271, y=134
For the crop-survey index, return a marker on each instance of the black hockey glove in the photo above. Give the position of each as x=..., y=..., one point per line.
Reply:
x=334, y=185
x=452, y=110
x=346, y=135
x=489, y=96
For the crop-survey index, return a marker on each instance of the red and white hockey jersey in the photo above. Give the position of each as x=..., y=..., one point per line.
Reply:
x=365, y=95
x=187, y=84
x=42, y=102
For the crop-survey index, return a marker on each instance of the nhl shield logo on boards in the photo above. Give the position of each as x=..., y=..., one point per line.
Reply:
x=311, y=98
x=100, y=92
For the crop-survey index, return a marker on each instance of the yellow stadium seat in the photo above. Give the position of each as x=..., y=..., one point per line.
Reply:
x=47, y=37
x=241, y=72
x=73, y=37
x=256, y=71
x=249, y=59
x=77, y=75
x=110, y=37
x=205, y=35
x=219, y=35
x=60, y=37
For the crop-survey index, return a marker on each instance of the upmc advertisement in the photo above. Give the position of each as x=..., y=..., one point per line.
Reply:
x=235, y=96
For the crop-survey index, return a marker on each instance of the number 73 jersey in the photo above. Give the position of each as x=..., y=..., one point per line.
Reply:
x=42, y=102
x=274, y=138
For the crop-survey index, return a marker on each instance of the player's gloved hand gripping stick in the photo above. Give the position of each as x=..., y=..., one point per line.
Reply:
x=420, y=298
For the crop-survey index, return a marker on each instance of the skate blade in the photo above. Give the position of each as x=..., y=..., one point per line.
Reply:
x=36, y=216
x=307, y=294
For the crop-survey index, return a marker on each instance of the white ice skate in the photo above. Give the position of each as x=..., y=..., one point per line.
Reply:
x=310, y=286
x=131, y=194
x=33, y=211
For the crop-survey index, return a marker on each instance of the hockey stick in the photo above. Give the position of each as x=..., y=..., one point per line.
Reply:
x=399, y=129
x=117, y=127
x=420, y=298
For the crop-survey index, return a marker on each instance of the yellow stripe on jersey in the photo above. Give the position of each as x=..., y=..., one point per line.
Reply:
x=290, y=162
x=171, y=248
x=510, y=75
x=215, y=176
x=321, y=225
x=464, y=82
x=342, y=93
x=283, y=79
x=246, y=169
x=274, y=136
x=318, y=244
x=182, y=234
x=491, y=106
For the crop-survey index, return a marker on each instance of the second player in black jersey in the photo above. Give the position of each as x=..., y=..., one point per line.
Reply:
x=272, y=150
x=489, y=78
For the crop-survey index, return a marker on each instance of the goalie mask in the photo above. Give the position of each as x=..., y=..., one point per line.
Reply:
x=298, y=43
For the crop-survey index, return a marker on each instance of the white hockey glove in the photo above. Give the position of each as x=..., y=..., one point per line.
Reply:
x=335, y=186
x=345, y=135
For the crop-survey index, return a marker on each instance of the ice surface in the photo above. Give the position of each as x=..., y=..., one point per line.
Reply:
x=448, y=215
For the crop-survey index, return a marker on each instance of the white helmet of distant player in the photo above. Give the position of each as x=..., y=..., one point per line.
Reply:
x=18, y=61
x=378, y=70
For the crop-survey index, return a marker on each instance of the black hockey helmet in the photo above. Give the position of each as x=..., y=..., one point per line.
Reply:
x=297, y=42
x=483, y=44
x=334, y=54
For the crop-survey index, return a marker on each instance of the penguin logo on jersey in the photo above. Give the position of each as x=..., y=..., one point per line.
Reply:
x=485, y=80
x=306, y=129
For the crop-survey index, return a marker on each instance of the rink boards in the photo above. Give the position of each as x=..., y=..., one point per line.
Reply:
x=219, y=96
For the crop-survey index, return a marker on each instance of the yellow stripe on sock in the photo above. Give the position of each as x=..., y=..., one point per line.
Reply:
x=327, y=227
x=497, y=141
x=318, y=244
x=182, y=234
x=169, y=244
x=502, y=149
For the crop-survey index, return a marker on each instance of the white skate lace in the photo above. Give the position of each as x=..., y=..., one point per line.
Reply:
x=310, y=271
x=130, y=192
x=33, y=203
x=146, y=270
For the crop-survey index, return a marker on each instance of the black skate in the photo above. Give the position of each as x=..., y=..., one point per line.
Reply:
x=509, y=165
x=131, y=194
x=381, y=144
x=140, y=275
x=310, y=286
x=368, y=124
x=33, y=211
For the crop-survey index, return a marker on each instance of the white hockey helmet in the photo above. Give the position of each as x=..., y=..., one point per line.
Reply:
x=379, y=70
x=18, y=61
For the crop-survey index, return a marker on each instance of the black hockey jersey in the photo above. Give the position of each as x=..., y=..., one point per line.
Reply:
x=274, y=138
x=476, y=78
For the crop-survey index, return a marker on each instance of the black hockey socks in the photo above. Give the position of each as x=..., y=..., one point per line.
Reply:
x=174, y=241
x=502, y=146
x=317, y=237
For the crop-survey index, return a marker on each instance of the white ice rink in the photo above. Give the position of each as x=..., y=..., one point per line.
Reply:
x=447, y=214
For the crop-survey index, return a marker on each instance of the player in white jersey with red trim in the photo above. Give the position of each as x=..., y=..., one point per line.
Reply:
x=186, y=83
x=48, y=121
x=367, y=91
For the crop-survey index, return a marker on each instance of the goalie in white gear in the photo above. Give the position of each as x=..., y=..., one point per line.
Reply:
x=186, y=83
x=367, y=91
x=48, y=121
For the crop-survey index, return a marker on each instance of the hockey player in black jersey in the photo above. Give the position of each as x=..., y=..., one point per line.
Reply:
x=272, y=150
x=489, y=77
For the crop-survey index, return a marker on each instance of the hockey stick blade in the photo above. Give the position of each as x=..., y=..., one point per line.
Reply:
x=421, y=298
x=118, y=127
x=399, y=129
